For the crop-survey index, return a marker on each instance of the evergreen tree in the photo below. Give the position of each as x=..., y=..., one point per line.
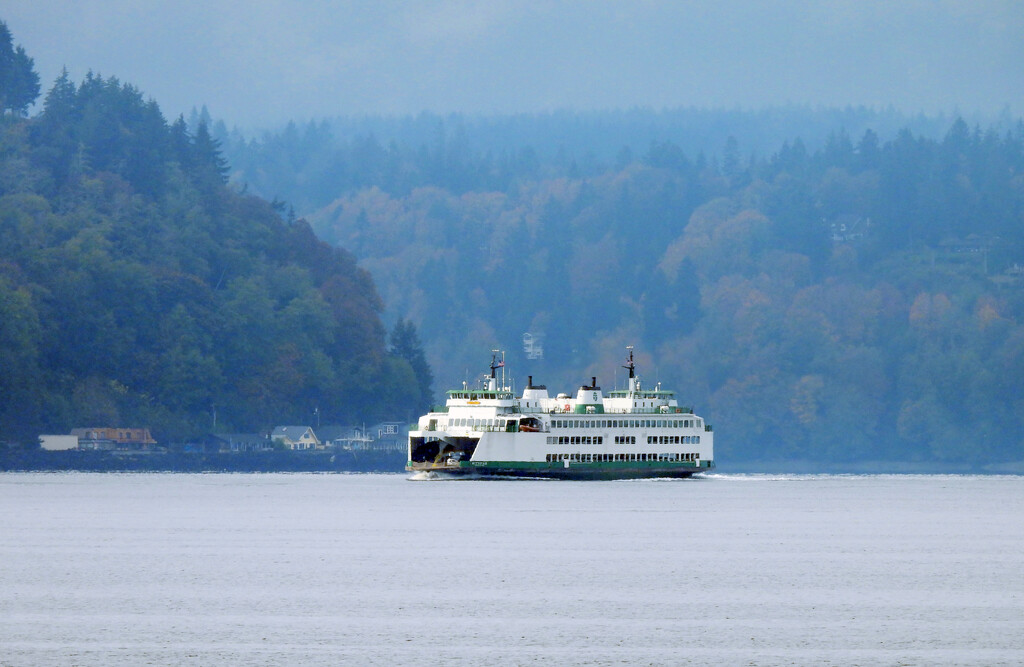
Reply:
x=181, y=143
x=207, y=154
x=19, y=82
x=405, y=344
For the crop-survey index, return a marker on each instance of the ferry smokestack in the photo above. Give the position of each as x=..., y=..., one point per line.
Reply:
x=529, y=381
x=593, y=381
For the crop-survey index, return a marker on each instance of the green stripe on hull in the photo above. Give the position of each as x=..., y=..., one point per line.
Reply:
x=575, y=470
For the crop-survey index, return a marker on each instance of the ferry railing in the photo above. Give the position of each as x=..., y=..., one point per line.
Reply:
x=477, y=429
x=659, y=410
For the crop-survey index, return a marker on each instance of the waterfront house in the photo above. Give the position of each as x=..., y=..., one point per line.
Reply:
x=110, y=439
x=296, y=437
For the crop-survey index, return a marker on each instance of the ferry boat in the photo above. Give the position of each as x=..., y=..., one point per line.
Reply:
x=631, y=433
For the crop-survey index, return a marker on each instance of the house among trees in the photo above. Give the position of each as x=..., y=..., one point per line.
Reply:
x=238, y=442
x=391, y=436
x=296, y=437
x=344, y=437
x=111, y=439
x=972, y=243
x=847, y=228
x=385, y=436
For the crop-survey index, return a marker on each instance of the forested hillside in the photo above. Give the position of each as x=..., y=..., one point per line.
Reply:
x=859, y=299
x=138, y=289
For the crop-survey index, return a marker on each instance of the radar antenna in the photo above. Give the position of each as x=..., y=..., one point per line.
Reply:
x=630, y=366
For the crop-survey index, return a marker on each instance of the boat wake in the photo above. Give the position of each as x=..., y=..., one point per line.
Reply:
x=435, y=476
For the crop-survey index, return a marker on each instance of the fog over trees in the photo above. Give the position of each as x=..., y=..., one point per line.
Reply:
x=824, y=284
x=839, y=297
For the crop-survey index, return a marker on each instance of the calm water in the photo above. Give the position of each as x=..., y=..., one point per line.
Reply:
x=377, y=569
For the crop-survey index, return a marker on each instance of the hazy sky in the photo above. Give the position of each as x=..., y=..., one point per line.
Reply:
x=258, y=64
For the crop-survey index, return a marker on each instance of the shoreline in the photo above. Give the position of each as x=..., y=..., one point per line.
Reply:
x=193, y=462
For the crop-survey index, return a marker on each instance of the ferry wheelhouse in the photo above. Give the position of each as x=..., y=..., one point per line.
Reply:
x=631, y=433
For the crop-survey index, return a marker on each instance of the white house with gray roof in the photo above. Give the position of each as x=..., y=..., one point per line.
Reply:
x=296, y=437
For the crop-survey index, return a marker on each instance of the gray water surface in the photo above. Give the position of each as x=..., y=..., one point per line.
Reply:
x=102, y=569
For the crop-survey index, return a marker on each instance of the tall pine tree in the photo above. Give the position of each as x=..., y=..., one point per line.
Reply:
x=19, y=83
x=405, y=344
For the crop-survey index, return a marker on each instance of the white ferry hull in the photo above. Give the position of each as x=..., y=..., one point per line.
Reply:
x=578, y=471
